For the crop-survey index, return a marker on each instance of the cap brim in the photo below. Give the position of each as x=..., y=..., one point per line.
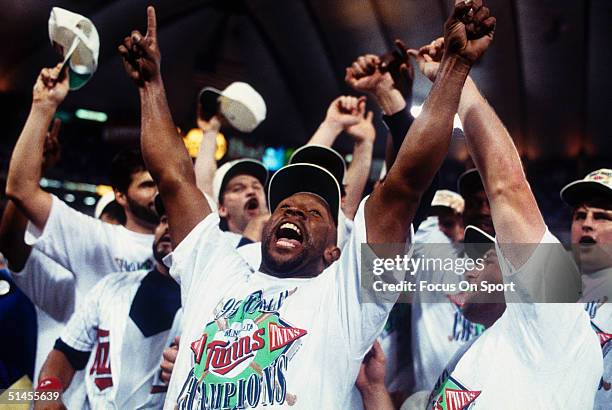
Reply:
x=578, y=192
x=250, y=167
x=477, y=242
x=322, y=156
x=314, y=179
x=469, y=182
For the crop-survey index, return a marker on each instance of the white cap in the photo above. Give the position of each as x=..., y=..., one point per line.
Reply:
x=238, y=167
x=448, y=199
x=243, y=107
x=597, y=184
x=104, y=200
x=80, y=44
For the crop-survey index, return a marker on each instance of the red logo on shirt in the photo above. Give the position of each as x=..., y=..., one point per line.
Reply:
x=102, y=366
x=604, y=337
x=459, y=399
x=222, y=357
x=282, y=336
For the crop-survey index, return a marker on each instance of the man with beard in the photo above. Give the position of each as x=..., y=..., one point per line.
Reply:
x=128, y=318
x=533, y=355
x=84, y=245
x=591, y=201
x=294, y=332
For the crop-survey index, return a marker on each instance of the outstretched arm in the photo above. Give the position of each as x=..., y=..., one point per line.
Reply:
x=341, y=114
x=514, y=210
x=364, y=134
x=164, y=153
x=22, y=185
x=391, y=208
x=205, y=164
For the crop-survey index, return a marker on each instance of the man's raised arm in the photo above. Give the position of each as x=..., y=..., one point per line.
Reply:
x=164, y=153
x=390, y=208
x=22, y=185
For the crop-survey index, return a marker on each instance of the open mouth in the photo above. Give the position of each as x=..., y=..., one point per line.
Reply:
x=252, y=204
x=165, y=238
x=587, y=240
x=289, y=235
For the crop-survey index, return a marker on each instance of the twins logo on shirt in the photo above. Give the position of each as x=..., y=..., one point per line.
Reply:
x=241, y=357
x=451, y=395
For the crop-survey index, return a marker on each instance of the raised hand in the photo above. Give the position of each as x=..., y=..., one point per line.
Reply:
x=364, y=75
x=343, y=112
x=51, y=88
x=141, y=55
x=428, y=57
x=363, y=130
x=469, y=31
x=397, y=63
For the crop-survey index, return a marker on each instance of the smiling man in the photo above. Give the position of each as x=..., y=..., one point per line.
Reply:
x=294, y=332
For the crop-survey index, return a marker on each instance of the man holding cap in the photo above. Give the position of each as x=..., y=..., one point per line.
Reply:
x=250, y=337
x=591, y=201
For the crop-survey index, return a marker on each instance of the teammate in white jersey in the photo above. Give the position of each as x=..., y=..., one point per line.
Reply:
x=533, y=355
x=591, y=231
x=84, y=245
x=250, y=337
x=118, y=335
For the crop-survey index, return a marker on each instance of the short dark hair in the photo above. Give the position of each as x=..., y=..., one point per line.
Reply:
x=124, y=164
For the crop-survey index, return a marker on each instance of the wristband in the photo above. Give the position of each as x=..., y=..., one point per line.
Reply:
x=49, y=383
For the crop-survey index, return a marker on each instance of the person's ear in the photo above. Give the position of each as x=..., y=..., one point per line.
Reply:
x=331, y=254
x=223, y=212
x=121, y=198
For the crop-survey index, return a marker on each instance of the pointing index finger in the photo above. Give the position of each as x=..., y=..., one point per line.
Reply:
x=151, y=22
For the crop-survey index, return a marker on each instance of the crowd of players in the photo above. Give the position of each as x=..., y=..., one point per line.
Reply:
x=198, y=287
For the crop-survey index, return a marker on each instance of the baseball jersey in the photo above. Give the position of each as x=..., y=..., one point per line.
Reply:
x=600, y=313
x=126, y=323
x=535, y=356
x=89, y=247
x=250, y=339
x=438, y=327
x=52, y=290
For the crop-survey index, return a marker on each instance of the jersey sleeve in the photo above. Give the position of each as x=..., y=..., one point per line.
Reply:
x=542, y=329
x=363, y=315
x=48, y=285
x=70, y=236
x=80, y=332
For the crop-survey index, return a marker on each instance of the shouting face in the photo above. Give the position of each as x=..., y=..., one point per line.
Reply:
x=299, y=240
x=592, y=235
x=242, y=200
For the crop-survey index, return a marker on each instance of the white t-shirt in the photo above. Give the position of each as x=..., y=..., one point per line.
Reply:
x=51, y=288
x=535, y=356
x=123, y=368
x=600, y=313
x=252, y=339
x=89, y=247
x=438, y=328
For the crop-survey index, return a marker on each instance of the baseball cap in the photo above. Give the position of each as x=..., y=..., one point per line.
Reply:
x=80, y=44
x=243, y=107
x=477, y=242
x=469, y=182
x=103, y=202
x=448, y=199
x=323, y=156
x=596, y=184
x=311, y=178
x=238, y=167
